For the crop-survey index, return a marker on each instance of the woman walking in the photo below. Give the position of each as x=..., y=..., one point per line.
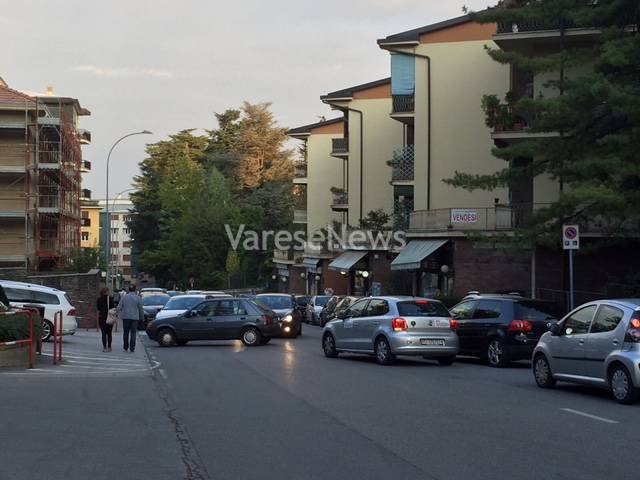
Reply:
x=103, y=305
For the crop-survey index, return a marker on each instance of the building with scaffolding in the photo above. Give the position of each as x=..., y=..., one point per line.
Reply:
x=40, y=178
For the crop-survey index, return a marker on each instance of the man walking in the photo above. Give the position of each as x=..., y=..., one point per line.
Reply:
x=131, y=312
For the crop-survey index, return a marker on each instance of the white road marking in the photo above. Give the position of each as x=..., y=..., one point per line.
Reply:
x=588, y=415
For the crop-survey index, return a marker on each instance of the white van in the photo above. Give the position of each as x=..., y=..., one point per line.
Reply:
x=52, y=299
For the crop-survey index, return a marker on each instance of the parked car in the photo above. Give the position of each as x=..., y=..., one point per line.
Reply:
x=174, y=293
x=390, y=326
x=22, y=294
x=284, y=306
x=217, y=319
x=502, y=328
x=148, y=291
x=314, y=307
x=152, y=304
x=596, y=344
x=179, y=305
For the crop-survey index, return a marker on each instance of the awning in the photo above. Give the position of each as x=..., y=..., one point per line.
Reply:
x=347, y=260
x=414, y=253
x=311, y=264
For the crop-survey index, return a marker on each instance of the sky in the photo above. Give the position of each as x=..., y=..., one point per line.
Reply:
x=168, y=65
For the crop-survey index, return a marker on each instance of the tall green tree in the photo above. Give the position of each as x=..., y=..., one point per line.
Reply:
x=593, y=110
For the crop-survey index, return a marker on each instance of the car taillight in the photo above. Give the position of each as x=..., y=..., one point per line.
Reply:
x=521, y=326
x=453, y=324
x=633, y=332
x=399, y=325
x=421, y=302
x=72, y=312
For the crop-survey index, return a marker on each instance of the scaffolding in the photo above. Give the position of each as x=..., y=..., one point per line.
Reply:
x=40, y=183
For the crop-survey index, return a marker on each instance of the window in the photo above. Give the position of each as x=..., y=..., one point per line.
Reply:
x=126, y=244
x=18, y=295
x=422, y=308
x=487, y=309
x=377, y=308
x=126, y=258
x=85, y=236
x=85, y=214
x=357, y=309
x=114, y=258
x=579, y=321
x=207, y=309
x=127, y=231
x=464, y=310
x=114, y=231
x=115, y=217
x=45, y=298
x=607, y=320
x=115, y=244
x=230, y=307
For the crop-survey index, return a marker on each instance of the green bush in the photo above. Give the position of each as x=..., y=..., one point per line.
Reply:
x=16, y=327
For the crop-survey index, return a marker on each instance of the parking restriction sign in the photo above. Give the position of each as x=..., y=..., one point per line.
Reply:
x=571, y=237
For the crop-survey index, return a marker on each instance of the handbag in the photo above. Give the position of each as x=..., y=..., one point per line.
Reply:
x=112, y=314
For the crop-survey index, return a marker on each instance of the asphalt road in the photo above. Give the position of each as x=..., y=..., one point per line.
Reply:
x=222, y=411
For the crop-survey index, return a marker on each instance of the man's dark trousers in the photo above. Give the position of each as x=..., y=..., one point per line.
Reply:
x=130, y=328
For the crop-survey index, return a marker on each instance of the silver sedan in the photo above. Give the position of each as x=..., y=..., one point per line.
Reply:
x=391, y=326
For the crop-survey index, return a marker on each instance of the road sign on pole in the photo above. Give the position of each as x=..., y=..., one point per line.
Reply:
x=571, y=242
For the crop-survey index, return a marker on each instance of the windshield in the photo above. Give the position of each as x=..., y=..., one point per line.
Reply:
x=182, y=303
x=155, y=300
x=275, y=302
x=322, y=301
x=422, y=309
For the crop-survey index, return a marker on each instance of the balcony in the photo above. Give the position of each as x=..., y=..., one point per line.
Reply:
x=529, y=35
x=85, y=194
x=86, y=166
x=402, y=165
x=489, y=219
x=403, y=108
x=299, y=216
x=340, y=199
x=300, y=173
x=340, y=147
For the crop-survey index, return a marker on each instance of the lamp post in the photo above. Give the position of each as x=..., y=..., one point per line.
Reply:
x=108, y=216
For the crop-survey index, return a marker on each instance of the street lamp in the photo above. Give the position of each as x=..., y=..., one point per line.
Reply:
x=108, y=246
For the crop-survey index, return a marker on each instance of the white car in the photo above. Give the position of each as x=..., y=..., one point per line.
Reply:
x=51, y=299
x=179, y=305
x=147, y=292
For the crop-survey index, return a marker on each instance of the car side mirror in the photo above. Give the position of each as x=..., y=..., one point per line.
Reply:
x=554, y=328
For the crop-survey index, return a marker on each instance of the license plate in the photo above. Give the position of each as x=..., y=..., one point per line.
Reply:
x=432, y=341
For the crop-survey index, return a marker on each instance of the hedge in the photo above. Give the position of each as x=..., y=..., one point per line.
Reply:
x=16, y=326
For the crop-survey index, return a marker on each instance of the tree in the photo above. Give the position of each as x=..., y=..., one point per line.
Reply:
x=84, y=259
x=232, y=265
x=594, y=114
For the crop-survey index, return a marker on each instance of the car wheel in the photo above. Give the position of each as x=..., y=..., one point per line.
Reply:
x=329, y=346
x=251, y=337
x=542, y=372
x=384, y=355
x=446, y=361
x=496, y=354
x=47, y=330
x=621, y=385
x=166, y=338
x=182, y=343
x=265, y=340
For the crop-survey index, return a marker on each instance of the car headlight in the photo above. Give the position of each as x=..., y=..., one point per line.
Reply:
x=287, y=318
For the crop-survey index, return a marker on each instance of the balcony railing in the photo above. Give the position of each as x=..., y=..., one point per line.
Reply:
x=339, y=146
x=340, y=199
x=403, y=103
x=532, y=26
x=497, y=218
x=299, y=216
x=300, y=170
x=402, y=164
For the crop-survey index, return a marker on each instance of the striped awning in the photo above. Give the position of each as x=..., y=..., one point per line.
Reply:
x=411, y=257
x=347, y=260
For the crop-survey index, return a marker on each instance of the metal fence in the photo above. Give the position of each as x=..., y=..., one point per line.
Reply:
x=340, y=145
x=403, y=103
x=403, y=163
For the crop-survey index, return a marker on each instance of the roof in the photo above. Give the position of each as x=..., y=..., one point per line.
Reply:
x=307, y=128
x=9, y=96
x=347, y=93
x=35, y=286
x=413, y=36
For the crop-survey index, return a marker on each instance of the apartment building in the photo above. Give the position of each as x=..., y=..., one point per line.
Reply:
x=122, y=261
x=90, y=224
x=40, y=178
x=439, y=74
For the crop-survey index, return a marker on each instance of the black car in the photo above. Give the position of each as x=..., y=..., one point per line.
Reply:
x=217, y=319
x=502, y=328
x=151, y=305
x=284, y=306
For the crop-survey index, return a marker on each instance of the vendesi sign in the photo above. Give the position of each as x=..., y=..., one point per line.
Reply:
x=464, y=215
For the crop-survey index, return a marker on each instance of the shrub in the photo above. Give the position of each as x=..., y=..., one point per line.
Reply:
x=15, y=326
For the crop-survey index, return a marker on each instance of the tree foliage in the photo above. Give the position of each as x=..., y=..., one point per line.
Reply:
x=590, y=113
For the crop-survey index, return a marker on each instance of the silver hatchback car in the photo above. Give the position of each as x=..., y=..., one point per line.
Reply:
x=596, y=344
x=390, y=326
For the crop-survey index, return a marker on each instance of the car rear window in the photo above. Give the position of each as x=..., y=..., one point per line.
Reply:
x=536, y=310
x=275, y=302
x=155, y=300
x=422, y=309
x=321, y=301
